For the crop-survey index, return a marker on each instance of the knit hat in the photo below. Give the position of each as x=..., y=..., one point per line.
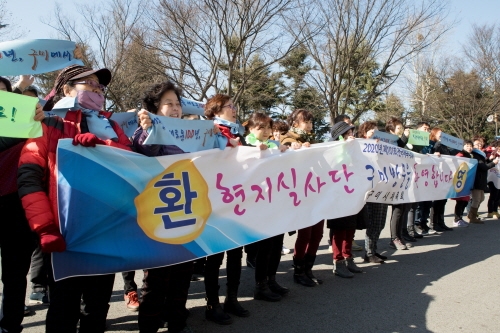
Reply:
x=339, y=129
x=74, y=72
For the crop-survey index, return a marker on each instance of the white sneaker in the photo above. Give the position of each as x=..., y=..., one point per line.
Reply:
x=284, y=250
x=460, y=224
x=330, y=249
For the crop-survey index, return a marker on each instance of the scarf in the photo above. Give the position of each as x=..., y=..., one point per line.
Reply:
x=236, y=129
x=98, y=124
x=306, y=137
x=479, y=152
x=251, y=139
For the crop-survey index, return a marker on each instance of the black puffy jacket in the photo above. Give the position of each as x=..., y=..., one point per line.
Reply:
x=481, y=180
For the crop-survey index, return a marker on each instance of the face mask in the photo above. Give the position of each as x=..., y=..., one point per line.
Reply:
x=90, y=100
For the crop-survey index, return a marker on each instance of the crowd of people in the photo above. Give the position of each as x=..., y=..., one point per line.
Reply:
x=30, y=230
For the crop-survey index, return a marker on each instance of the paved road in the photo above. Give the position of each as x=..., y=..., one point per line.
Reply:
x=447, y=283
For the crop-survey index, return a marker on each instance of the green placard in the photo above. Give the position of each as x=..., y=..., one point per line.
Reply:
x=16, y=116
x=418, y=138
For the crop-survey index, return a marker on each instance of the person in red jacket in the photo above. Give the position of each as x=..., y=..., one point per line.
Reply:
x=79, y=92
x=16, y=239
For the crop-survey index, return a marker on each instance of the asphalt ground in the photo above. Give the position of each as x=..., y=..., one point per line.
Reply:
x=448, y=282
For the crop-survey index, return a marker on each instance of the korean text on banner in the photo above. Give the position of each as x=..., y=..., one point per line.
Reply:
x=386, y=137
x=188, y=135
x=16, y=116
x=36, y=56
x=418, y=138
x=451, y=141
x=181, y=207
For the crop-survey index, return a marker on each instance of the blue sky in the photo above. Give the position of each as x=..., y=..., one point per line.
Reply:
x=28, y=13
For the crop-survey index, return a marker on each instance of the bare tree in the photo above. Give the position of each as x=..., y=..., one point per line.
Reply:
x=186, y=41
x=9, y=28
x=206, y=45
x=419, y=75
x=105, y=35
x=462, y=100
x=483, y=52
x=368, y=34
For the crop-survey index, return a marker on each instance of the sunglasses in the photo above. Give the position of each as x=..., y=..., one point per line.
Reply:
x=93, y=84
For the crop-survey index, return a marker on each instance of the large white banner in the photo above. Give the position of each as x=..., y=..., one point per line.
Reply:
x=142, y=212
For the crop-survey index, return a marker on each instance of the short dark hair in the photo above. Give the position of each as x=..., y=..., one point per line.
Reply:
x=468, y=142
x=299, y=115
x=259, y=119
x=32, y=89
x=152, y=96
x=215, y=104
x=280, y=126
x=391, y=125
x=422, y=123
x=340, y=118
x=7, y=83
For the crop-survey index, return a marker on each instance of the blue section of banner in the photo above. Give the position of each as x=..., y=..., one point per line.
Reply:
x=190, y=106
x=469, y=184
x=110, y=240
x=127, y=121
x=36, y=56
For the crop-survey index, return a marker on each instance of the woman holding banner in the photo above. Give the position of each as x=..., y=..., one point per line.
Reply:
x=399, y=214
x=423, y=211
x=438, y=206
x=79, y=91
x=343, y=228
x=221, y=110
x=481, y=180
x=16, y=239
x=376, y=212
x=164, y=288
x=308, y=239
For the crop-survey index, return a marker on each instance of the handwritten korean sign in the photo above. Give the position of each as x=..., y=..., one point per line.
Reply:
x=36, y=56
x=16, y=116
x=188, y=135
x=386, y=137
x=418, y=138
x=451, y=141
